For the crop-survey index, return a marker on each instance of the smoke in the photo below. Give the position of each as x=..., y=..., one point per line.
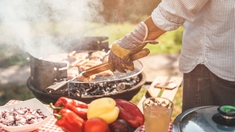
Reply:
x=40, y=27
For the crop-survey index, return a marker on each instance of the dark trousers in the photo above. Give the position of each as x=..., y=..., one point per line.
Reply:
x=201, y=87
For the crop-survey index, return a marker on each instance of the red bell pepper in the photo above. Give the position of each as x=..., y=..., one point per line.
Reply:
x=130, y=112
x=69, y=121
x=78, y=107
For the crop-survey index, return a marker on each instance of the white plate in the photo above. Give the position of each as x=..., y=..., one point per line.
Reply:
x=32, y=104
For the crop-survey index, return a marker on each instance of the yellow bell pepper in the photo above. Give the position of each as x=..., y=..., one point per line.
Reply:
x=104, y=108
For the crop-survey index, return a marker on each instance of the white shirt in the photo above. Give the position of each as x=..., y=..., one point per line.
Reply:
x=209, y=33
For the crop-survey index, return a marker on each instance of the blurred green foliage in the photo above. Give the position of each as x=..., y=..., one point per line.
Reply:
x=14, y=91
x=170, y=42
x=12, y=55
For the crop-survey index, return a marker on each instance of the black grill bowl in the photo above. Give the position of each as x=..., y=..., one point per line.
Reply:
x=52, y=98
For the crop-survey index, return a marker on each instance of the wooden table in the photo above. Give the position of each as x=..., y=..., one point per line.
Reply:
x=169, y=94
x=161, y=92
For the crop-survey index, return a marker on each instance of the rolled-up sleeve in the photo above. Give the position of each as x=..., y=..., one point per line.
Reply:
x=170, y=14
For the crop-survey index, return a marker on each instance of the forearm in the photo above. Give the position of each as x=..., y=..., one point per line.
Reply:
x=153, y=31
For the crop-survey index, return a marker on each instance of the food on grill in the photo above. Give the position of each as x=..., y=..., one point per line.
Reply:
x=88, y=64
x=82, y=61
x=72, y=72
x=106, y=73
x=79, y=62
x=106, y=59
x=85, y=79
x=71, y=54
x=81, y=55
x=98, y=55
x=21, y=116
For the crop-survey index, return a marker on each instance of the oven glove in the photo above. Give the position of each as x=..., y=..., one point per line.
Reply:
x=131, y=43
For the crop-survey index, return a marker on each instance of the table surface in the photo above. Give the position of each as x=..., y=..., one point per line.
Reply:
x=51, y=127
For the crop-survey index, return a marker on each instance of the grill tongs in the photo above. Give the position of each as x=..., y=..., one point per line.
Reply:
x=107, y=66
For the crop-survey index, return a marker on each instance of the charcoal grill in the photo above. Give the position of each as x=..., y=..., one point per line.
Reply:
x=48, y=80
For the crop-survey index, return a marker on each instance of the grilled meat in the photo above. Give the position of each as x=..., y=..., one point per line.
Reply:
x=82, y=61
x=75, y=56
x=89, y=64
x=106, y=73
x=85, y=79
x=98, y=55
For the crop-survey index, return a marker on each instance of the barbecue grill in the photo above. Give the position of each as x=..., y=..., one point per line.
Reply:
x=48, y=79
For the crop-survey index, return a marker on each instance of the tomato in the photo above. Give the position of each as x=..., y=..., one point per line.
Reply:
x=96, y=125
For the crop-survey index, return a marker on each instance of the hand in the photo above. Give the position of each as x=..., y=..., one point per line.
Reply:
x=130, y=44
x=120, y=64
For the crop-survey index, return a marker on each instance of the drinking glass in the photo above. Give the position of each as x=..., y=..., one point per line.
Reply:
x=157, y=114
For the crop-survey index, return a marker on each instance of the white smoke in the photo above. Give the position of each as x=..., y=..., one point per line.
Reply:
x=37, y=26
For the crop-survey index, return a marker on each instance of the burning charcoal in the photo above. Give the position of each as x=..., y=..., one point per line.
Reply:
x=105, y=92
x=113, y=90
x=91, y=84
x=96, y=92
x=102, y=88
x=128, y=80
x=113, y=87
x=107, y=88
x=121, y=87
x=101, y=84
x=109, y=85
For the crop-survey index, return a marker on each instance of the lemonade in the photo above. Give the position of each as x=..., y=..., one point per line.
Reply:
x=157, y=115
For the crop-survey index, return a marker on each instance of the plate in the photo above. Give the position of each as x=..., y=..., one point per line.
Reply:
x=31, y=104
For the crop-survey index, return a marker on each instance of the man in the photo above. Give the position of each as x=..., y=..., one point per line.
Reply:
x=208, y=48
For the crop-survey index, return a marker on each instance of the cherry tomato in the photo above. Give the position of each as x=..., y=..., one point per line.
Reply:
x=96, y=125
